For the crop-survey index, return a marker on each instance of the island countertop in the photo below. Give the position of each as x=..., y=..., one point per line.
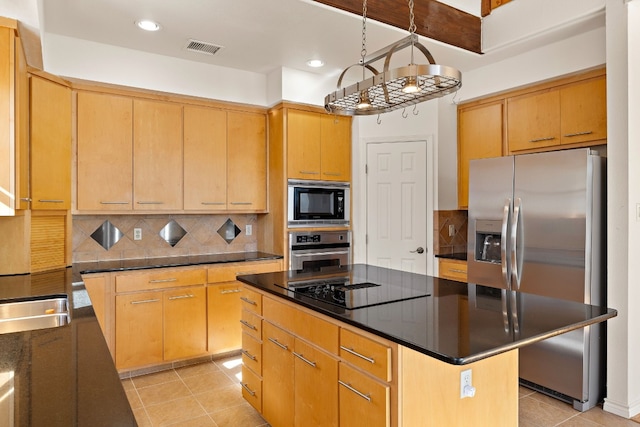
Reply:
x=455, y=322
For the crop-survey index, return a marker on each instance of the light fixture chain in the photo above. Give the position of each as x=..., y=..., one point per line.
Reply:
x=363, y=52
x=412, y=24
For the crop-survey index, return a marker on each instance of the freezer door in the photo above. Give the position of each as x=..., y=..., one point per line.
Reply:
x=490, y=205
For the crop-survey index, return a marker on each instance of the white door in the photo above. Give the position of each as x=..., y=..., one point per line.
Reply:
x=397, y=205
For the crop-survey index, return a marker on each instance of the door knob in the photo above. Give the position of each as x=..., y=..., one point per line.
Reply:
x=419, y=250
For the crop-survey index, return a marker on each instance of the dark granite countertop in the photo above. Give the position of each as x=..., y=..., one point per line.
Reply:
x=458, y=323
x=460, y=256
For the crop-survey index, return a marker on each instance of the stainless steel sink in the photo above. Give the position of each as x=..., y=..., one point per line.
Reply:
x=39, y=313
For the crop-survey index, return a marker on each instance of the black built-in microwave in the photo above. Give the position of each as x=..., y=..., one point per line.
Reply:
x=318, y=203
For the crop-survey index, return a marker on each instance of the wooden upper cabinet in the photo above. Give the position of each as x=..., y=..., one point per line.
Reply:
x=205, y=159
x=246, y=161
x=105, y=149
x=335, y=147
x=157, y=155
x=534, y=120
x=480, y=135
x=303, y=145
x=50, y=145
x=583, y=111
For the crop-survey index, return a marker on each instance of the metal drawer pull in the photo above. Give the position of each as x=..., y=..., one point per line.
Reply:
x=355, y=353
x=173, y=279
x=301, y=357
x=455, y=270
x=241, y=203
x=213, y=203
x=182, y=296
x=248, y=325
x=246, y=387
x=144, y=301
x=359, y=393
x=114, y=203
x=50, y=201
x=150, y=203
x=25, y=199
x=310, y=173
x=249, y=355
x=279, y=344
x=247, y=300
x=569, y=135
x=230, y=291
x=332, y=173
x=549, y=138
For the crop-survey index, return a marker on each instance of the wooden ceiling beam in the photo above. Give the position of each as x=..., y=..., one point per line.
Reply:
x=433, y=19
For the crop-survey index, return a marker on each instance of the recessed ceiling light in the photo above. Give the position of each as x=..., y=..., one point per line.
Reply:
x=148, y=25
x=315, y=63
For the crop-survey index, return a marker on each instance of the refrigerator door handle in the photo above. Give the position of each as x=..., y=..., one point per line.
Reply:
x=504, y=261
x=516, y=256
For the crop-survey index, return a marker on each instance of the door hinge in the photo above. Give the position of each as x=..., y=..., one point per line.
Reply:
x=366, y=169
x=366, y=239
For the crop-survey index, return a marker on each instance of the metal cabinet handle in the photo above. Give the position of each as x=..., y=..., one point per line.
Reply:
x=246, y=387
x=355, y=353
x=213, y=203
x=249, y=355
x=420, y=250
x=150, y=203
x=181, y=296
x=230, y=291
x=279, y=344
x=548, y=138
x=113, y=203
x=248, y=301
x=50, y=201
x=332, y=173
x=305, y=360
x=25, y=199
x=241, y=203
x=310, y=172
x=173, y=279
x=359, y=393
x=569, y=135
x=455, y=270
x=248, y=325
x=144, y=301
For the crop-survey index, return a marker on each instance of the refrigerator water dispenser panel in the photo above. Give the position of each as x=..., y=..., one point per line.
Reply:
x=488, y=241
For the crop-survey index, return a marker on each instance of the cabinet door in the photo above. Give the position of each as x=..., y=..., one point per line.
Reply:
x=105, y=149
x=50, y=145
x=452, y=269
x=223, y=317
x=247, y=162
x=277, y=376
x=303, y=145
x=480, y=136
x=157, y=155
x=534, y=121
x=583, y=109
x=363, y=401
x=335, y=147
x=316, y=387
x=138, y=329
x=185, y=323
x=205, y=159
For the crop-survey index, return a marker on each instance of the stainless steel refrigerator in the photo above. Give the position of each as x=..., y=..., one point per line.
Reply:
x=537, y=225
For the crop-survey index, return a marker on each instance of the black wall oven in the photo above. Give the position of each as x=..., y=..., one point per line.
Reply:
x=318, y=203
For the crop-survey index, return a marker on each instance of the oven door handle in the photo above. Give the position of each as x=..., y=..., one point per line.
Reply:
x=306, y=254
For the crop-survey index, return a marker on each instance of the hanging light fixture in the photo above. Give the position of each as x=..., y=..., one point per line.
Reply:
x=396, y=88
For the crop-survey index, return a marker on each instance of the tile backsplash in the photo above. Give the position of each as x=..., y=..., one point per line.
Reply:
x=444, y=243
x=202, y=237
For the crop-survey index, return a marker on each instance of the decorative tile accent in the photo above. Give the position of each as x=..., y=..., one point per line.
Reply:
x=442, y=242
x=107, y=235
x=229, y=231
x=172, y=233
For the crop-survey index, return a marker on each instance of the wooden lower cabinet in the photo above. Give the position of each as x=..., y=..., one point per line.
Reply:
x=452, y=269
x=224, y=332
x=277, y=376
x=185, y=323
x=368, y=401
x=251, y=388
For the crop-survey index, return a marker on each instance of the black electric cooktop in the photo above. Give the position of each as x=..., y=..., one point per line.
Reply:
x=352, y=294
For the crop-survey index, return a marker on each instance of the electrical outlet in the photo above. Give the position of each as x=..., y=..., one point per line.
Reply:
x=466, y=387
x=452, y=230
x=137, y=234
x=248, y=230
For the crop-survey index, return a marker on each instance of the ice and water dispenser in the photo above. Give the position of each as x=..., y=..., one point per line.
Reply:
x=488, y=240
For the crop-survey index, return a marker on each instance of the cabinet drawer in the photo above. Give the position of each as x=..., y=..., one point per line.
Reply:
x=252, y=353
x=279, y=314
x=228, y=273
x=251, y=301
x=251, y=324
x=251, y=388
x=366, y=354
x=363, y=401
x=452, y=269
x=159, y=279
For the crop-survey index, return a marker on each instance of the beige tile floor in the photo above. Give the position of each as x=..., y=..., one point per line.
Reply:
x=208, y=395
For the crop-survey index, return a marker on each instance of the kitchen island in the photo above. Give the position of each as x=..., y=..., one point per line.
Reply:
x=425, y=331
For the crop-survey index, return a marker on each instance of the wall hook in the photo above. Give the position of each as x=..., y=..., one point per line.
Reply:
x=415, y=110
x=378, y=119
x=404, y=113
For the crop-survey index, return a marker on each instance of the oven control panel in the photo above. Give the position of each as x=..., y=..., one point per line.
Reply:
x=308, y=238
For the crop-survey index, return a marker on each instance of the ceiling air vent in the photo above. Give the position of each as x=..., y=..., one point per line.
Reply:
x=202, y=47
